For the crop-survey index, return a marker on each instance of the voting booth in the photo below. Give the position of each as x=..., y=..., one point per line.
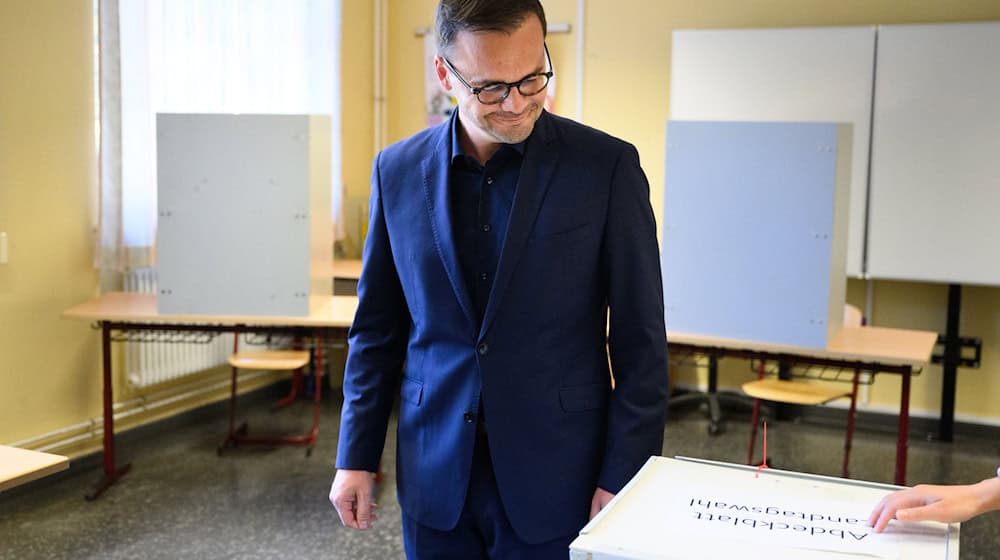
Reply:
x=680, y=509
x=754, y=225
x=244, y=213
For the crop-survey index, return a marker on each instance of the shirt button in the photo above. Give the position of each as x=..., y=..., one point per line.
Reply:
x=486, y=227
x=469, y=417
x=483, y=276
x=489, y=180
x=483, y=349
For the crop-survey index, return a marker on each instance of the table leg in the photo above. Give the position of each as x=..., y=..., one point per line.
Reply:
x=111, y=474
x=904, y=429
x=317, y=386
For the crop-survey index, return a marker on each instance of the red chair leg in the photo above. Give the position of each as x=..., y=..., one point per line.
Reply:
x=755, y=417
x=238, y=435
x=307, y=439
x=292, y=394
x=297, y=386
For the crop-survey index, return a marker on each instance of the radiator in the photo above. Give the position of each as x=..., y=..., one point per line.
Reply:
x=149, y=363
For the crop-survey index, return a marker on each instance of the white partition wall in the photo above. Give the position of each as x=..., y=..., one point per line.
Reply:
x=935, y=192
x=236, y=216
x=800, y=74
x=922, y=203
x=754, y=230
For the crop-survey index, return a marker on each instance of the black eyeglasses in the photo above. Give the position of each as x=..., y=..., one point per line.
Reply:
x=496, y=92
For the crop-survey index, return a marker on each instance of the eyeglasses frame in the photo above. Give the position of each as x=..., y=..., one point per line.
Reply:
x=509, y=85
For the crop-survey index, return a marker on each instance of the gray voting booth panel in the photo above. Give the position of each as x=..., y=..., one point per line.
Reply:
x=754, y=230
x=935, y=192
x=927, y=96
x=233, y=234
x=809, y=74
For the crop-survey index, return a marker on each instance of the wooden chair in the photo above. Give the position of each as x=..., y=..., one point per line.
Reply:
x=795, y=392
x=274, y=360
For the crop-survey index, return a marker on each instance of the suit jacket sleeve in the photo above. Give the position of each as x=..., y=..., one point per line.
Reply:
x=637, y=337
x=377, y=346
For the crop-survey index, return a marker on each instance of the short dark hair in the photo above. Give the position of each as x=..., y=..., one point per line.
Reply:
x=454, y=16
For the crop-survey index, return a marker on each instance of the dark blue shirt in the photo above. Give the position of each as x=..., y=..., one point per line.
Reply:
x=481, y=199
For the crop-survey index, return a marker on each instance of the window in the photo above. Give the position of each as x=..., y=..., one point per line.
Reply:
x=193, y=56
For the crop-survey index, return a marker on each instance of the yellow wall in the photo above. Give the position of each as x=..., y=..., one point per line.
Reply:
x=48, y=366
x=357, y=118
x=626, y=89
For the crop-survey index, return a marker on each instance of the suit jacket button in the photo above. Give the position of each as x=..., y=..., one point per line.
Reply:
x=483, y=349
x=470, y=417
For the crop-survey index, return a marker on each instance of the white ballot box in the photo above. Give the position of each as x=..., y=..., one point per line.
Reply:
x=689, y=508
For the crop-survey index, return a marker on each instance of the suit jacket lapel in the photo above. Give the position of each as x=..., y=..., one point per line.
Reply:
x=540, y=160
x=435, y=171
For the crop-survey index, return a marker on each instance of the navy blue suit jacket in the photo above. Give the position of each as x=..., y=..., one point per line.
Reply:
x=581, y=244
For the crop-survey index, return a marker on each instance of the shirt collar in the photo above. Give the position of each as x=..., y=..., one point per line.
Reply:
x=456, y=148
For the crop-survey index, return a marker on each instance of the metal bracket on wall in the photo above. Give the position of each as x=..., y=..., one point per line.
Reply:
x=972, y=344
x=552, y=28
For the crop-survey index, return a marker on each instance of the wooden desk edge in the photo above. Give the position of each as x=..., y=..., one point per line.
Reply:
x=347, y=269
x=886, y=346
x=32, y=465
x=128, y=307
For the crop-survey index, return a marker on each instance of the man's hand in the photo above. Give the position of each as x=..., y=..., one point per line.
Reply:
x=351, y=495
x=925, y=502
x=600, y=499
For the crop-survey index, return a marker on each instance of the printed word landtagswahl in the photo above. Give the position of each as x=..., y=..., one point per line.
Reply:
x=770, y=518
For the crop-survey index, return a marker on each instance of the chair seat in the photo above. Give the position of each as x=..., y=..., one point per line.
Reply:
x=270, y=359
x=794, y=392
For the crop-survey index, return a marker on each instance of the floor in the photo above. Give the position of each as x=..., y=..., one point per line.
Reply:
x=181, y=500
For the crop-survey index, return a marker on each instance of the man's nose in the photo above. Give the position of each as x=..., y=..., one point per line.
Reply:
x=515, y=102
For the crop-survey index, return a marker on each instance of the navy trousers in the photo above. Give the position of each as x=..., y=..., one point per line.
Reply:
x=483, y=530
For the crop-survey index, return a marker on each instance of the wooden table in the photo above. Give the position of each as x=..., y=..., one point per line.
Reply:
x=871, y=349
x=120, y=315
x=348, y=269
x=18, y=466
x=346, y=273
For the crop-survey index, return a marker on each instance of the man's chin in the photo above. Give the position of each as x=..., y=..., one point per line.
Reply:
x=511, y=138
x=514, y=135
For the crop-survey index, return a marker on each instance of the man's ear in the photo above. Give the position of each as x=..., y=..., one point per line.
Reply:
x=442, y=73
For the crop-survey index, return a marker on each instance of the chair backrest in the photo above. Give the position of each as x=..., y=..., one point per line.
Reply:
x=852, y=316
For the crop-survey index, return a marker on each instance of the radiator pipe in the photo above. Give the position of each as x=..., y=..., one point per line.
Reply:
x=94, y=427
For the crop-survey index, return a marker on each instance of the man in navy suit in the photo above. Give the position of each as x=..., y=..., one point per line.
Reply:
x=511, y=266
